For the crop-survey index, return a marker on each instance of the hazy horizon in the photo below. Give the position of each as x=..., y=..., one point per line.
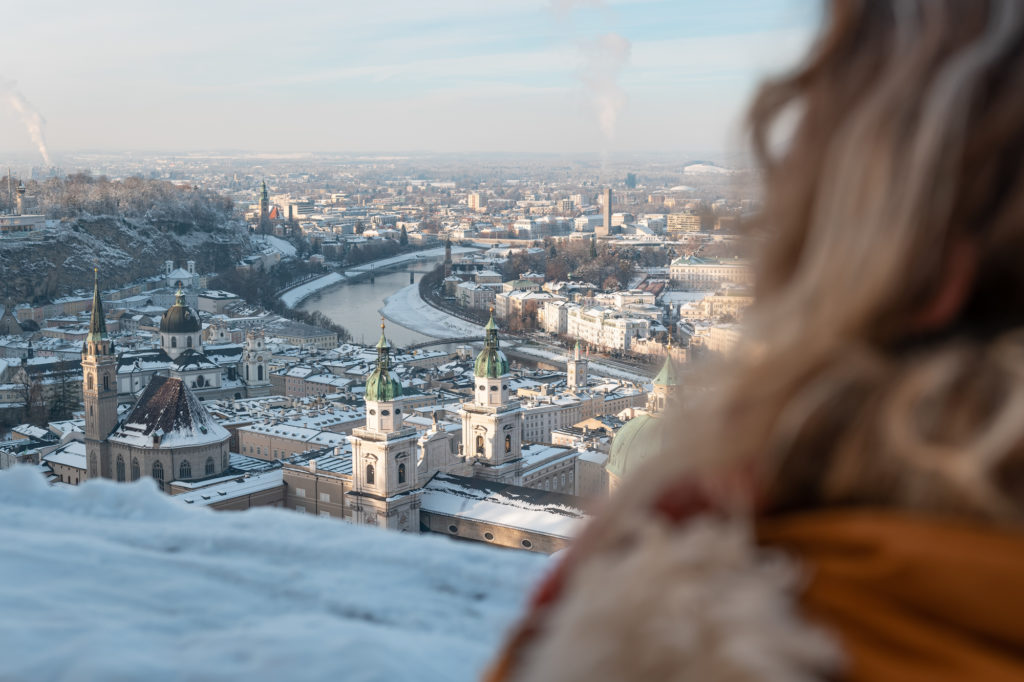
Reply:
x=569, y=77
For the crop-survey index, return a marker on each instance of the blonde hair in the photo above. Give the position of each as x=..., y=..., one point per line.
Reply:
x=880, y=364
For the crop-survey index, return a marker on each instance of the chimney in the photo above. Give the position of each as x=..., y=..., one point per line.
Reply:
x=312, y=465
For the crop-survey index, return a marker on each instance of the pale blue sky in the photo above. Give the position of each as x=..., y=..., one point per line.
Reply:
x=394, y=75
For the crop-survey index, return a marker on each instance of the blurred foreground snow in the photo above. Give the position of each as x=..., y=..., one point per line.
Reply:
x=115, y=581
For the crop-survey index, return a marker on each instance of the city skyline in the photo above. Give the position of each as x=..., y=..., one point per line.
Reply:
x=538, y=76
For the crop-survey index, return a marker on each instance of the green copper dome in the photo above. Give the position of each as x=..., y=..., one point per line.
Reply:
x=491, y=363
x=667, y=375
x=637, y=441
x=383, y=385
x=179, y=318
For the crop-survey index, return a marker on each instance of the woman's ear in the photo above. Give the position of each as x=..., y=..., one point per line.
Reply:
x=959, y=267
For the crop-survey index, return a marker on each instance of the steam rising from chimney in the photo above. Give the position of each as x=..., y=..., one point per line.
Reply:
x=604, y=59
x=32, y=119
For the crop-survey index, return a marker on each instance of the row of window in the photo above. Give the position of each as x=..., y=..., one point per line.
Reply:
x=184, y=469
x=453, y=529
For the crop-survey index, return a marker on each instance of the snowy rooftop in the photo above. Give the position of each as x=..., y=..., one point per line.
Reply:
x=529, y=509
x=188, y=593
x=169, y=410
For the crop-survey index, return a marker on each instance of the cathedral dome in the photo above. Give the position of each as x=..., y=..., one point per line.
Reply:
x=491, y=362
x=179, y=318
x=637, y=441
x=383, y=384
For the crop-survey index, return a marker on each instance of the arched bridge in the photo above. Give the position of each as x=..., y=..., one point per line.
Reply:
x=444, y=342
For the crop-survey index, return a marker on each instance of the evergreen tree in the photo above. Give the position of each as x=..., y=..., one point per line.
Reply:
x=403, y=240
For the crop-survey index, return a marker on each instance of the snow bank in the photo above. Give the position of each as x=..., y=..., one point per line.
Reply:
x=293, y=297
x=405, y=307
x=118, y=581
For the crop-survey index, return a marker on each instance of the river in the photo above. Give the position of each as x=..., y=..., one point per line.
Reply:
x=356, y=305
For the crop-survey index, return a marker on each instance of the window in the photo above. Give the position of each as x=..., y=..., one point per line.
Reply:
x=210, y=466
x=488, y=536
x=106, y=382
x=189, y=344
x=527, y=544
x=92, y=465
x=258, y=451
x=369, y=474
x=325, y=497
x=453, y=529
x=481, y=387
x=174, y=342
x=200, y=381
x=247, y=372
x=480, y=445
x=494, y=388
x=184, y=469
x=398, y=411
x=508, y=443
x=401, y=473
x=90, y=382
x=158, y=471
x=120, y=468
x=136, y=472
x=300, y=492
x=259, y=373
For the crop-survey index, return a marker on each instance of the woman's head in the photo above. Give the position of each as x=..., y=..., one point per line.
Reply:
x=879, y=365
x=894, y=207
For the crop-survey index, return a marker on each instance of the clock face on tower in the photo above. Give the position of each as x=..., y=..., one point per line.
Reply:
x=259, y=358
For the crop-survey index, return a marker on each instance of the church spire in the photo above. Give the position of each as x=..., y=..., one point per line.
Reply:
x=97, y=323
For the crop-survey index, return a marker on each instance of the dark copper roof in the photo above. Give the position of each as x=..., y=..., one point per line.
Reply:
x=179, y=318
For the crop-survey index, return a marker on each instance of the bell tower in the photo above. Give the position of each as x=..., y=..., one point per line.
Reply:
x=492, y=428
x=99, y=388
x=255, y=366
x=264, y=208
x=576, y=369
x=385, y=485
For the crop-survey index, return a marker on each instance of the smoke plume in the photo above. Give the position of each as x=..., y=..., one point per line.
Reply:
x=32, y=119
x=604, y=59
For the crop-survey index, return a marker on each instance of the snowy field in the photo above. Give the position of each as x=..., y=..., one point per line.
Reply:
x=293, y=297
x=112, y=581
x=405, y=307
x=282, y=246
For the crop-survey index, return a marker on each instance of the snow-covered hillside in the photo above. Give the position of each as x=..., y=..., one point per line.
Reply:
x=118, y=581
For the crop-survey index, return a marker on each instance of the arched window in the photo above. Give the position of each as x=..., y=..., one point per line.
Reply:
x=184, y=469
x=508, y=443
x=480, y=445
x=369, y=474
x=247, y=372
x=189, y=342
x=174, y=342
x=259, y=372
x=106, y=382
x=120, y=468
x=200, y=381
x=209, y=466
x=136, y=473
x=401, y=472
x=89, y=381
x=158, y=471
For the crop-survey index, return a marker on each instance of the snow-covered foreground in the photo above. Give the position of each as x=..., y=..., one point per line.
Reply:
x=115, y=581
x=405, y=307
x=293, y=297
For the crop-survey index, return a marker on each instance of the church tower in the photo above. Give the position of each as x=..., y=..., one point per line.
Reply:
x=99, y=389
x=264, y=208
x=665, y=386
x=385, y=486
x=492, y=422
x=254, y=362
x=576, y=369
